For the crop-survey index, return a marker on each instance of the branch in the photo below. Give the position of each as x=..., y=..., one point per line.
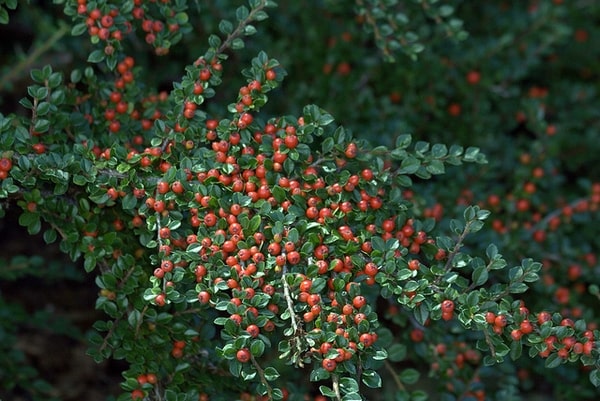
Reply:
x=390, y=369
x=263, y=379
x=336, y=387
x=290, y=304
x=238, y=31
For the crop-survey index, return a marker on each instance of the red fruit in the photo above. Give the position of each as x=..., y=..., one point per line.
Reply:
x=158, y=206
x=5, y=164
x=359, y=301
x=243, y=355
x=454, y=109
x=204, y=74
x=160, y=299
x=204, y=297
x=500, y=321
x=351, y=150
x=270, y=75
x=388, y=225
x=329, y=364
x=164, y=232
x=367, y=339
x=473, y=77
x=416, y=335
x=290, y=141
x=367, y=174
x=166, y=265
x=543, y=317
x=210, y=219
x=177, y=187
x=253, y=330
x=346, y=233
x=371, y=269
x=526, y=327
x=293, y=258
x=447, y=306
x=305, y=285
x=39, y=148
x=151, y=377
x=162, y=187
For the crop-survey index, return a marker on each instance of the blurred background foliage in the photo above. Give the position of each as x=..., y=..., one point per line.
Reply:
x=518, y=78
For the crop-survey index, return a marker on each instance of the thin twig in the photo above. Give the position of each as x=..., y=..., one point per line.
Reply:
x=263, y=379
x=397, y=381
x=488, y=341
x=240, y=28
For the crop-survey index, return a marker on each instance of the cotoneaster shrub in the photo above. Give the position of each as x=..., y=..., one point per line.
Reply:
x=248, y=250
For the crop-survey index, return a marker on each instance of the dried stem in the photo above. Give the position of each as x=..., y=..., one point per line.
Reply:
x=336, y=387
x=290, y=304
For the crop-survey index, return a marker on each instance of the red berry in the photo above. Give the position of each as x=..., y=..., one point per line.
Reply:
x=329, y=364
x=473, y=77
x=359, y=301
x=243, y=355
x=447, y=306
x=351, y=150
x=500, y=321
x=5, y=164
x=253, y=330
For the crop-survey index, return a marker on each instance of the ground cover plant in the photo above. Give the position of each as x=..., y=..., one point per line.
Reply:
x=322, y=200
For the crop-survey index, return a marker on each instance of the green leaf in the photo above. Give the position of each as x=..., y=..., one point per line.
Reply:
x=595, y=377
x=134, y=318
x=317, y=374
x=421, y=313
x=491, y=251
x=480, y=276
x=242, y=13
x=352, y=397
x=409, y=165
x=257, y=348
x=516, y=348
x=371, y=379
x=439, y=150
x=409, y=376
x=397, y=352
x=3, y=16
x=553, y=361
x=419, y=395
x=129, y=202
x=403, y=141
x=96, y=56
x=271, y=373
x=225, y=27
x=237, y=44
x=517, y=288
x=348, y=385
x=89, y=263
x=327, y=392
x=435, y=167
x=327, y=145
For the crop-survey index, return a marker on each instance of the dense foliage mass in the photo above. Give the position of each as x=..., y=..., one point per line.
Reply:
x=440, y=244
